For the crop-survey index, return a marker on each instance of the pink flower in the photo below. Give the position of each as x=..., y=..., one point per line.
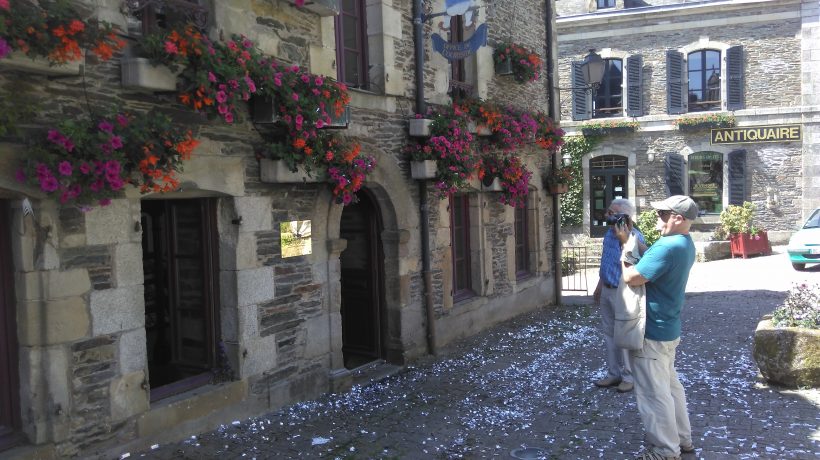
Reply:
x=115, y=183
x=122, y=120
x=320, y=124
x=4, y=5
x=64, y=168
x=229, y=117
x=250, y=83
x=233, y=84
x=5, y=49
x=232, y=46
x=305, y=78
x=105, y=201
x=85, y=168
x=49, y=183
x=171, y=47
x=106, y=127
x=222, y=109
x=295, y=96
x=247, y=43
x=299, y=3
x=97, y=185
x=211, y=77
x=221, y=97
x=319, y=81
x=116, y=142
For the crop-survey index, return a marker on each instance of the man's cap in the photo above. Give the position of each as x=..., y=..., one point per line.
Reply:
x=679, y=204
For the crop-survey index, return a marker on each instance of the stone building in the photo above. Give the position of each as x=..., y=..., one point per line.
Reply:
x=160, y=315
x=671, y=61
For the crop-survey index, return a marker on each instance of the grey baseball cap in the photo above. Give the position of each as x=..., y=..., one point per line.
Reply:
x=679, y=204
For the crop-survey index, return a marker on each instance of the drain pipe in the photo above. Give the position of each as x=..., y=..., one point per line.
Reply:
x=424, y=214
x=553, y=113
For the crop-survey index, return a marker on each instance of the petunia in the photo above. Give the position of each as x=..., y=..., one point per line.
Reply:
x=116, y=142
x=319, y=81
x=106, y=127
x=49, y=183
x=85, y=168
x=171, y=47
x=221, y=97
x=211, y=77
x=105, y=202
x=122, y=120
x=64, y=168
x=229, y=117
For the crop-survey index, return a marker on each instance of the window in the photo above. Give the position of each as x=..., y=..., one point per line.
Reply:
x=149, y=16
x=606, y=4
x=351, y=44
x=609, y=96
x=704, y=80
x=706, y=181
x=522, y=243
x=460, y=240
x=459, y=88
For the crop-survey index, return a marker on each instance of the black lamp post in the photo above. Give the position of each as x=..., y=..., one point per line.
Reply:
x=593, y=70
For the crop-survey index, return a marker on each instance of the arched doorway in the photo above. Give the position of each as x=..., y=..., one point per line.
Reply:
x=607, y=181
x=9, y=389
x=362, y=283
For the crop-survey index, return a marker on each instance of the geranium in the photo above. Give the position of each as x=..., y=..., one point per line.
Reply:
x=562, y=175
x=89, y=161
x=54, y=30
x=800, y=309
x=599, y=128
x=347, y=168
x=513, y=176
x=547, y=135
x=526, y=64
x=712, y=120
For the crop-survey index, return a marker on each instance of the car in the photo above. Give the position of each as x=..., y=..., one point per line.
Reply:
x=804, y=245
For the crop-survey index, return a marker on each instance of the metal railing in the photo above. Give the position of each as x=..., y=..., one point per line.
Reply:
x=574, y=268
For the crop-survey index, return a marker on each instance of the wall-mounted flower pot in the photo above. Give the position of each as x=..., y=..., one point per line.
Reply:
x=263, y=111
x=491, y=184
x=557, y=189
x=142, y=74
x=19, y=61
x=420, y=127
x=504, y=67
x=339, y=121
x=277, y=172
x=423, y=169
x=483, y=130
x=322, y=7
x=472, y=127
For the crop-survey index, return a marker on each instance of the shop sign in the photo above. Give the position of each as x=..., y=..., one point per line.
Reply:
x=755, y=134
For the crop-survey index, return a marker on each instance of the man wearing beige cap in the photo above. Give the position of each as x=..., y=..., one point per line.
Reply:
x=664, y=269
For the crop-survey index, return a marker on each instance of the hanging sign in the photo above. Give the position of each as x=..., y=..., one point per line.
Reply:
x=461, y=50
x=750, y=135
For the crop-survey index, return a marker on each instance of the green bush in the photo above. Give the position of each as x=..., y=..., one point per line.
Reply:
x=647, y=223
x=572, y=207
x=739, y=219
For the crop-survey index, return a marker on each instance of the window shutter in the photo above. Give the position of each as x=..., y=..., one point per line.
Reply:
x=634, y=86
x=674, y=166
x=581, y=98
x=734, y=85
x=676, y=83
x=737, y=177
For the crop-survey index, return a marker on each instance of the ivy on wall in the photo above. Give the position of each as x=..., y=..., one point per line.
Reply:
x=572, y=207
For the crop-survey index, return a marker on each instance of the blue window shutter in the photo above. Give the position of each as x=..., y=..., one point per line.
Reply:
x=734, y=84
x=737, y=177
x=674, y=169
x=581, y=98
x=634, y=85
x=676, y=83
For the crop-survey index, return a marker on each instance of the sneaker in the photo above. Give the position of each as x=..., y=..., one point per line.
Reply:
x=608, y=381
x=652, y=455
x=687, y=449
x=625, y=387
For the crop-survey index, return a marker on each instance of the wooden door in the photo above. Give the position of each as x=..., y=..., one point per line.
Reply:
x=9, y=383
x=361, y=279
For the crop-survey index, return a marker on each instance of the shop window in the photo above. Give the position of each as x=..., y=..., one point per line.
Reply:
x=351, y=44
x=705, y=175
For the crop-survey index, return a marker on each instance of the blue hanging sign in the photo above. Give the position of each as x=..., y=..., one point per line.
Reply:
x=460, y=50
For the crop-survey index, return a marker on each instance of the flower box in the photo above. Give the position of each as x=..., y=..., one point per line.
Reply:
x=277, y=172
x=605, y=131
x=322, y=7
x=744, y=244
x=557, y=189
x=263, y=111
x=483, y=130
x=420, y=127
x=340, y=121
x=693, y=127
x=142, y=74
x=504, y=67
x=493, y=185
x=19, y=61
x=423, y=169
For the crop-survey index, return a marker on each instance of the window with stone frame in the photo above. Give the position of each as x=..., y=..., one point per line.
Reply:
x=608, y=100
x=712, y=179
x=525, y=239
x=460, y=238
x=351, y=44
x=705, y=78
x=703, y=73
x=602, y=4
x=148, y=16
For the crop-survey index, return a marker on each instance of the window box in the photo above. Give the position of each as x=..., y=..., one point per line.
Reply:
x=491, y=184
x=704, y=126
x=504, y=67
x=420, y=127
x=263, y=111
x=423, y=169
x=339, y=122
x=142, y=74
x=606, y=131
x=322, y=7
x=745, y=245
x=479, y=129
x=19, y=61
x=277, y=172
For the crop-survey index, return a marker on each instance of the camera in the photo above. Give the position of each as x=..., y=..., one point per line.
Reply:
x=617, y=219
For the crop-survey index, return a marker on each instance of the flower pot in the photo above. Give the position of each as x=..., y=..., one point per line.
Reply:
x=420, y=127
x=277, y=172
x=18, y=60
x=339, y=122
x=142, y=74
x=504, y=67
x=557, y=189
x=745, y=245
x=788, y=355
x=483, y=130
x=607, y=130
x=263, y=111
x=492, y=185
x=472, y=127
x=322, y=7
x=423, y=169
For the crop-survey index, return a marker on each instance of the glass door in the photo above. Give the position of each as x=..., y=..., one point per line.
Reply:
x=607, y=181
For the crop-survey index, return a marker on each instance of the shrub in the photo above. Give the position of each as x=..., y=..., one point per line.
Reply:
x=800, y=309
x=647, y=224
x=739, y=219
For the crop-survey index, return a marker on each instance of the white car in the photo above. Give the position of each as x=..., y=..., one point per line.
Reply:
x=804, y=246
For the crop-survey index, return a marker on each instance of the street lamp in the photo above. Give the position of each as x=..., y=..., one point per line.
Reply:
x=593, y=69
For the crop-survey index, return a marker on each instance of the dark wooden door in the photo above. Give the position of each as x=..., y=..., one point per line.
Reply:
x=9, y=389
x=180, y=293
x=361, y=280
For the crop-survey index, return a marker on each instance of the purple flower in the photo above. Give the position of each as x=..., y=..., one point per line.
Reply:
x=112, y=167
x=85, y=168
x=5, y=49
x=64, y=168
x=116, y=142
x=122, y=120
x=106, y=127
x=115, y=183
x=105, y=201
x=97, y=185
x=49, y=183
x=211, y=77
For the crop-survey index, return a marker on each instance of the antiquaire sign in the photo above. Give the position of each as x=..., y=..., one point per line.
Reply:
x=754, y=134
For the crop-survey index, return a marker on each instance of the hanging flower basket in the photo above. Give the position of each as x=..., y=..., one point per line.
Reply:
x=503, y=67
x=142, y=74
x=425, y=169
x=491, y=184
x=513, y=59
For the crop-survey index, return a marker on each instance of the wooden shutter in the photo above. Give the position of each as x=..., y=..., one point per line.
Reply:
x=581, y=98
x=634, y=85
x=734, y=84
x=674, y=168
x=676, y=83
x=737, y=177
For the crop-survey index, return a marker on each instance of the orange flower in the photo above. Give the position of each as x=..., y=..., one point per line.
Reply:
x=299, y=143
x=76, y=27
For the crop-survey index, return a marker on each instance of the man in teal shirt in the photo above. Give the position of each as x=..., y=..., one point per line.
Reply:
x=664, y=269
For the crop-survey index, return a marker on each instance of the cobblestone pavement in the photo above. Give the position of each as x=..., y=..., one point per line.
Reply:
x=527, y=382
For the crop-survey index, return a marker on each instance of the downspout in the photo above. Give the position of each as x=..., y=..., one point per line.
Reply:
x=424, y=214
x=552, y=111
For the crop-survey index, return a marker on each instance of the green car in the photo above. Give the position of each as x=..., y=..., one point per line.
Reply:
x=804, y=246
